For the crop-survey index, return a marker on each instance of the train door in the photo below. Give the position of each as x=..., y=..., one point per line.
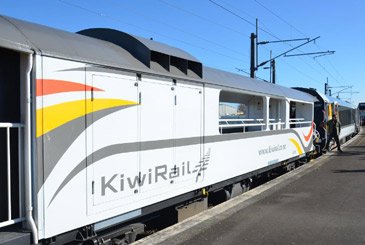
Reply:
x=112, y=139
x=189, y=163
x=10, y=119
x=156, y=134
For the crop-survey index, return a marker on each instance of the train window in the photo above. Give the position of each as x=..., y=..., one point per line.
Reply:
x=300, y=114
x=345, y=115
x=239, y=112
x=233, y=110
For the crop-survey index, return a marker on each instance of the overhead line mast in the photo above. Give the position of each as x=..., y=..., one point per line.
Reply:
x=254, y=52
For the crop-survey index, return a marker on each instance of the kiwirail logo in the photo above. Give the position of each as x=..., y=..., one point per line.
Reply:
x=119, y=182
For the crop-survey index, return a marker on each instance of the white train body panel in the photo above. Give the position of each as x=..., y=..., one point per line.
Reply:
x=347, y=131
x=236, y=157
x=113, y=144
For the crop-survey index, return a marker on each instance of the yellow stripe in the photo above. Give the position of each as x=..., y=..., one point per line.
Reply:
x=329, y=116
x=296, y=144
x=52, y=117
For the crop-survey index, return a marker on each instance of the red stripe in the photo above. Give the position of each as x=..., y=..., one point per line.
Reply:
x=307, y=137
x=50, y=86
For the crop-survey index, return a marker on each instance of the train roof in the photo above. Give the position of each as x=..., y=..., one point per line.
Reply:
x=341, y=102
x=29, y=37
x=233, y=80
x=325, y=98
x=155, y=55
x=114, y=48
x=330, y=99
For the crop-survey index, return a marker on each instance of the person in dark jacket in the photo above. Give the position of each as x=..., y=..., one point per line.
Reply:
x=334, y=130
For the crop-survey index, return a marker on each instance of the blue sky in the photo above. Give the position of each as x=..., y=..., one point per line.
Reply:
x=221, y=39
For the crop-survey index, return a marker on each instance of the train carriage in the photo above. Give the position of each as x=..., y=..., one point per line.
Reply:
x=101, y=127
x=361, y=113
x=326, y=106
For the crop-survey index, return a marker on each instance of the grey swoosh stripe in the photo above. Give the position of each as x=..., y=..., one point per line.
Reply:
x=57, y=141
x=123, y=148
x=227, y=137
x=153, y=145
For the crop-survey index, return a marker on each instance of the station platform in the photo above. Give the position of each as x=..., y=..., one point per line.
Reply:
x=322, y=202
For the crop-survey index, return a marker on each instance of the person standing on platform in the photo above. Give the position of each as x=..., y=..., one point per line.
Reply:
x=334, y=129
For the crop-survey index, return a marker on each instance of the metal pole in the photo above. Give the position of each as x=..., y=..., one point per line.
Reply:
x=28, y=153
x=265, y=62
x=273, y=72
x=8, y=170
x=256, y=43
x=252, y=61
x=270, y=67
x=20, y=170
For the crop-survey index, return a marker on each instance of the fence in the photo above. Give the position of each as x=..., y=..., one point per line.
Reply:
x=9, y=131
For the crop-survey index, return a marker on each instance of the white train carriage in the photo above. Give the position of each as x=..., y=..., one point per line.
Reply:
x=347, y=116
x=107, y=128
x=326, y=106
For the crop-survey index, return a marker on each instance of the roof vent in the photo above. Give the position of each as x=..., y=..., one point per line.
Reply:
x=156, y=56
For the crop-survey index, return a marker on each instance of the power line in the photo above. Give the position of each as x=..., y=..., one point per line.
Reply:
x=279, y=17
x=300, y=32
x=324, y=68
x=102, y=15
x=248, y=73
x=299, y=71
x=249, y=22
x=201, y=17
x=244, y=19
x=176, y=28
x=238, y=10
x=293, y=27
x=233, y=13
x=335, y=69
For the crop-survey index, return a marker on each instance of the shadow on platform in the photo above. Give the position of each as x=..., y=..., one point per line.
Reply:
x=344, y=171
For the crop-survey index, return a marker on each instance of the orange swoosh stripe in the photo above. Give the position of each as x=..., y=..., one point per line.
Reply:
x=52, y=117
x=50, y=86
x=307, y=137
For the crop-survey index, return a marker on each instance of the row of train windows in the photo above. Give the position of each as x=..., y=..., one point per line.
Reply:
x=240, y=112
x=347, y=117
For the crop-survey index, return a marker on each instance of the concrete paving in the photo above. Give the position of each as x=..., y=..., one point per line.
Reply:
x=322, y=202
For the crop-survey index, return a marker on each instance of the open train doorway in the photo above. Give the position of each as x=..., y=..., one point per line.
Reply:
x=10, y=136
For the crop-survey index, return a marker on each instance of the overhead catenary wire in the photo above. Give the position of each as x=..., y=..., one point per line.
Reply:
x=277, y=16
x=176, y=28
x=222, y=54
x=201, y=17
x=286, y=22
x=244, y=19
x=102, y=15
x=249, y=22
x=302, y=33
